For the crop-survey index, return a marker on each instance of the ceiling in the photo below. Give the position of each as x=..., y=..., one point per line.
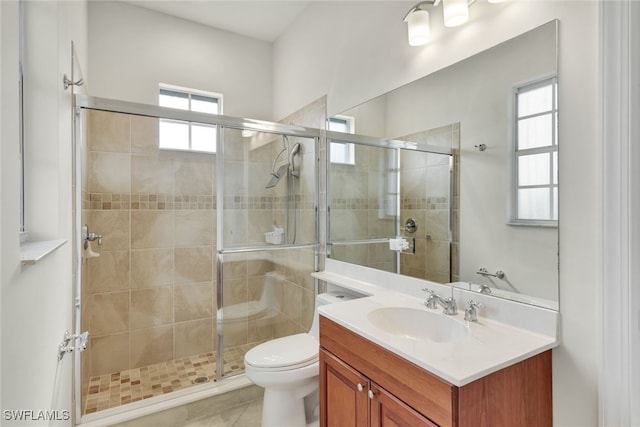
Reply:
x=261, y=19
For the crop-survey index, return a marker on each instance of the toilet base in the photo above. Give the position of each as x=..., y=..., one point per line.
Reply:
x=282, y=408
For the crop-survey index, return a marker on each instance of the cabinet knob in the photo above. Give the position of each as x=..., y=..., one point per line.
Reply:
x=360, y=388
x=371, y=394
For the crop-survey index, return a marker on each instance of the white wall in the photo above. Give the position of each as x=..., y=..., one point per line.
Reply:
x=133, y=49
x=353, y=53
x=4, y=129
x=37, y=300
x=478, y=94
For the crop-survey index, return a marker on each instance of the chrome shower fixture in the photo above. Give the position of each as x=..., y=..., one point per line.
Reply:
x=284, y=167
x=295, y=150
x=276, y=176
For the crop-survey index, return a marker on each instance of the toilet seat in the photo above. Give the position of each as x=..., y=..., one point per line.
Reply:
x=283, y=354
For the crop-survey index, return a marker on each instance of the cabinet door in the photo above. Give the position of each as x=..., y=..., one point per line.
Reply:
x=389, y=411
x=343, y=394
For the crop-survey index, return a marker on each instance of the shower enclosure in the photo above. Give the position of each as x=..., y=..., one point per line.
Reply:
x=404, y=189
x=188, y=259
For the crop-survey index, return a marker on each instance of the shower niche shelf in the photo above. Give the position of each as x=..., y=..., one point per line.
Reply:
x=32, y=252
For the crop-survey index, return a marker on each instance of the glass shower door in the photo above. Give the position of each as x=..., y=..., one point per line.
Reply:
x=269, y=238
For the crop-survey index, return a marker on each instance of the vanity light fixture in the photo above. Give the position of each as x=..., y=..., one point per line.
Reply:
x=455, y=12
x=417, y=20
x=418, y=27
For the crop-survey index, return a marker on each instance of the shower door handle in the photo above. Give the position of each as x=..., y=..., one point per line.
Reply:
x=90, y=236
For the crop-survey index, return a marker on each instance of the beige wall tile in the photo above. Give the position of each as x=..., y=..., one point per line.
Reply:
x=151, y=267
x=258, y=266
x=307, y=309
x=193, y=337
x=144, y=135
x=292, y=301
x=109, y=353
x=151, y=307
x=235, y=227
x=235, y=333
x=285, y=326
x=437, y=178
x=151, y=229
x=193, y=302
x=437, y=224
x=235, y=266
x=260, y=330
x=413, y=183
x=306, y=226
x=438, y=253
x=153, y=345
x=114, y=228
x=235, y=291
x=194, y=265
x=194, y=228
x=235, y=178
x=194, y=174
x=109, y=313
x=110, y=173
x=109, y=271
x=108, y=131
x=259, y=222
x=152, y=174
x=258, y=175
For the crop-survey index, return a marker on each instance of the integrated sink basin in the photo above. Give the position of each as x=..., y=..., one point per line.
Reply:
x=418, y=324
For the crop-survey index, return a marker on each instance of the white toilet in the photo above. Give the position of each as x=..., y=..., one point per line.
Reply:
x=288, y=370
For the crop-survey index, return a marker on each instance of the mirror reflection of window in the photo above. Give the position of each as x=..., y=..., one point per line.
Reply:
x=536, y=154
x=188, y=136
x=342, y=152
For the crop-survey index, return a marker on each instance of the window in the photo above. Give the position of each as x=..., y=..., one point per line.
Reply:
x=190, y=136
x=535, y=199
x=342, y=152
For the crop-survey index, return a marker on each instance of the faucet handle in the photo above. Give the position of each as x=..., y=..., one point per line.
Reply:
x=471, y=311
x=431, y=301
x=452, y=308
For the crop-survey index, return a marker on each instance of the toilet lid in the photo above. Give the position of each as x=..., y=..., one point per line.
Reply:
x=294, y=350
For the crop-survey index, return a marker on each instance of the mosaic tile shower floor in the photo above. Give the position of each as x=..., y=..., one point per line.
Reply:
x=119, y=388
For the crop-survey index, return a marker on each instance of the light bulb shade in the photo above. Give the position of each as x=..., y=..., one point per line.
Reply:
x=418, y=27
x=456, y=12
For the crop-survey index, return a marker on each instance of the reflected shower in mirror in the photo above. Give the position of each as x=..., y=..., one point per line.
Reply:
x=486, y=215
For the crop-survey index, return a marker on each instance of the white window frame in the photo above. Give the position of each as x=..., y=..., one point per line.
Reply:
x=350, y=158
x=189, y=92
x=514, y=219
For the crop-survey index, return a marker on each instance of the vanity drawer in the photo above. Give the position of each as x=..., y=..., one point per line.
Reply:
x=421, y=390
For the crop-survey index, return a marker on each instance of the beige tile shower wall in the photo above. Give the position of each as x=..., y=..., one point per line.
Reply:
x=363, y=207
x=425, y=197
x=150, y=293
x=150, y=296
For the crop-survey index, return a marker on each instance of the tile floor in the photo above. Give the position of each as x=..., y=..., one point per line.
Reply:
x=119, y=388
x=247, y=415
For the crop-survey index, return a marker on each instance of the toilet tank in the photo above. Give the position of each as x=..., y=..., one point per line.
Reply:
x=329, y=298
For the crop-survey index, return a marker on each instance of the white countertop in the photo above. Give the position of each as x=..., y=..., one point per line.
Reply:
x=490, y=346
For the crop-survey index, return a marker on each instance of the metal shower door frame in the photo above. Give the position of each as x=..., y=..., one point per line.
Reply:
x=83, y=102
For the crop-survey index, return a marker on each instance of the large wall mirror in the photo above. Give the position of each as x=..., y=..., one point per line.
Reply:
x=453, y=178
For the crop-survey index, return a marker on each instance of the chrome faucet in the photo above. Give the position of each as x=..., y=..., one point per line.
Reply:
x=448, y=304
x=471, y=311
x=484, y=289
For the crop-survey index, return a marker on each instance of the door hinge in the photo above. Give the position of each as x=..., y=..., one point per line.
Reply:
x=70, y=343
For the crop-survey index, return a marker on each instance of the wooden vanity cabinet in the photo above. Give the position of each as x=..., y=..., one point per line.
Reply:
x=363, y=384
x=351, y=399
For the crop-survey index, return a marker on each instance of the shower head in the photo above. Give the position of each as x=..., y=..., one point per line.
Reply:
x=294, y=151
x=275, y=177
